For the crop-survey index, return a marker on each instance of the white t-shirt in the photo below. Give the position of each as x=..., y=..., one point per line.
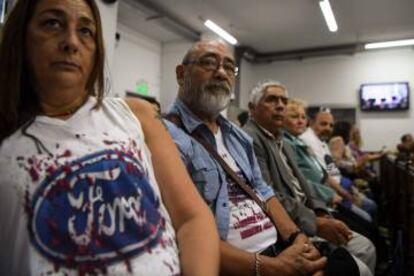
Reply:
x=322, y=153
x=250, y=228
x=90, y=206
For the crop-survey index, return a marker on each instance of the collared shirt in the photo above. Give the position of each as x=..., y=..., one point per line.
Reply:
x=310, y=167
x=320, y=148
x=299, y=194
x=298, y=191
x=305, y=153
x=206, y=173
x=322, y=152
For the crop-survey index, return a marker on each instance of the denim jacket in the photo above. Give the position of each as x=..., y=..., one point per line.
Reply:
x=206, y=173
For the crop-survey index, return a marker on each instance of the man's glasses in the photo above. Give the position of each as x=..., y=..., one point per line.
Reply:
x=213, y=64
x=275, y=99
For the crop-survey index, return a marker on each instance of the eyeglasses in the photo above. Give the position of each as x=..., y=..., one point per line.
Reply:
x=213, y=64
x=275, y=99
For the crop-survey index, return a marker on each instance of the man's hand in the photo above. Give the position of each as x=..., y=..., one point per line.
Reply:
x=336, y=200
x=313, y=253
x=297, y=259
x=301, y=239
x=333, y=230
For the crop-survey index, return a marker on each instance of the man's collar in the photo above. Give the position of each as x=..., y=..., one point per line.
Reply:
x=313, y=132
x=317, y=137
x=266, y=132
x=190, y=120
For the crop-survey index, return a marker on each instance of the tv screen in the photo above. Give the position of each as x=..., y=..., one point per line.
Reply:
x=384, y=96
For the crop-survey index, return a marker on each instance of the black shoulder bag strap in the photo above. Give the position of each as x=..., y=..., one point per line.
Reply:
x=245, y=187
x=174, y=118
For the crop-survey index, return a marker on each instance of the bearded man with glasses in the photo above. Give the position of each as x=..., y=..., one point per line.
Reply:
x=252, y=231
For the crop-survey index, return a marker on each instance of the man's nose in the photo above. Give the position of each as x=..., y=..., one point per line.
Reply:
x=280, y=107
x=279, y=103
x=221, y=73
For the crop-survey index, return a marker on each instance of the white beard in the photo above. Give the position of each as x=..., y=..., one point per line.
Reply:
x=209, y=99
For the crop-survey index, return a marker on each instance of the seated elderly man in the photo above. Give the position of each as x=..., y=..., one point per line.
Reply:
x=267, y=109
x=250, y=220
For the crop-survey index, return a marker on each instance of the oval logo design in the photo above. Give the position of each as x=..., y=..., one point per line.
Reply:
x=96, y=210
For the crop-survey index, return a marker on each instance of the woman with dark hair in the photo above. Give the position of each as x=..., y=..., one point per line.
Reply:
x=19, y=101
x=88, y=185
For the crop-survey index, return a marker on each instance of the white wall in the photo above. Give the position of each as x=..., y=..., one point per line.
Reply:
x=247, y=80
x=335, y=81
x=326, y=81
x=137, y=59
x=172, y=55
x=109, y=18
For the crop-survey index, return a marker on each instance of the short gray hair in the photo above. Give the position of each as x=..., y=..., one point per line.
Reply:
x=196, y=47
x=258, y=90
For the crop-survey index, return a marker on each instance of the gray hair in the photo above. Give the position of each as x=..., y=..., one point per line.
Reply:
x=258, y=90
x=196, y=47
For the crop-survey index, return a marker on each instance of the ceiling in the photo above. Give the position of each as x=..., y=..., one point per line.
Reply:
x=271, y=27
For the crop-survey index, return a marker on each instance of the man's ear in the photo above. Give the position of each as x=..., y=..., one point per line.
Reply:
x=179, y=74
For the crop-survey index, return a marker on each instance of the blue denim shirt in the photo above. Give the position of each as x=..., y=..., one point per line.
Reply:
x=206, y=173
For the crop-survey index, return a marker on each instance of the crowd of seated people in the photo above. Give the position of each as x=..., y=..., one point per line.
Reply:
x=345, y=146
x=98, y=185
x=276, y=159
x=317, y=137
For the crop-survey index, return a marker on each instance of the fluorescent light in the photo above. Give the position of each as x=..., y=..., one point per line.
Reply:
x=218, y=30
x=3, y=12
x=387, y=44
x=328, y=15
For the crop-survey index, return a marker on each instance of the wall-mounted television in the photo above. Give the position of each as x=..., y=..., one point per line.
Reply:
x=387, y=96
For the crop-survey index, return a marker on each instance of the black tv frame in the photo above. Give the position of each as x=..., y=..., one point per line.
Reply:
x=385, y=110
